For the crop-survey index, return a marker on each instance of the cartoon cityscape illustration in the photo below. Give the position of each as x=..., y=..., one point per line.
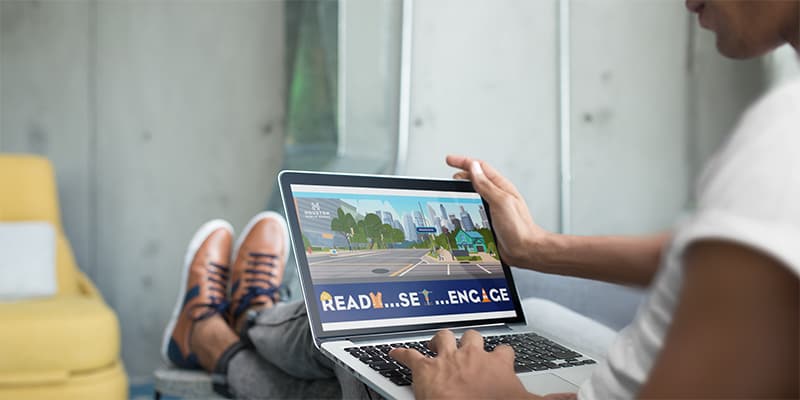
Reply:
x=405, y=238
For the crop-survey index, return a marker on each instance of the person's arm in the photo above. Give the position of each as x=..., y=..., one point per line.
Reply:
x=735, y=331
x=628, y=260
x=522, y=243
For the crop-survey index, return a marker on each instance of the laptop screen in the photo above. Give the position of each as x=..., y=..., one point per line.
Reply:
x=387, y=257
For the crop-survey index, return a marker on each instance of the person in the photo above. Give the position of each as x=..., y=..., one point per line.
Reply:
x=720, y=319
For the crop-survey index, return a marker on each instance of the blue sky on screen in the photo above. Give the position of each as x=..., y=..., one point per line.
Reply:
x=401, y=205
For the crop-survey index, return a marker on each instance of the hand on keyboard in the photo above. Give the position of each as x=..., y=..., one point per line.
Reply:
x=531, y=353
x=463, y=370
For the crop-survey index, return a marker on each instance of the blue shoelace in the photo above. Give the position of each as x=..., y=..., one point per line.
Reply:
x=253, y=291
x=217, y=304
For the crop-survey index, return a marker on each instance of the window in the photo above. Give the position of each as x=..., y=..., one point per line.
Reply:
x=343, y=74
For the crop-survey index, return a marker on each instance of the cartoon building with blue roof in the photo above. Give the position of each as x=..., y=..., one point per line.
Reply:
x=470, y=241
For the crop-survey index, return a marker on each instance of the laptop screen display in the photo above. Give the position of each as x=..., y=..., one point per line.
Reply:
x=381, y=257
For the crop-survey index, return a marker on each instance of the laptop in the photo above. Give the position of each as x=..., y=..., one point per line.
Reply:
x=387, y=261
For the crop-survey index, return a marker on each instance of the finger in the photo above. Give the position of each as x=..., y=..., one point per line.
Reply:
x=461, y=175
x=472, y=338
x=407, y=357
x=482, y=184
x=444, y=342
x=505, y=352
x=498, y=179
x=458, y=161
x=465, y=163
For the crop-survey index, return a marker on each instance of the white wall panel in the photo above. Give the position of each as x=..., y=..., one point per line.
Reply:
x=630, y=170
x=484, y=84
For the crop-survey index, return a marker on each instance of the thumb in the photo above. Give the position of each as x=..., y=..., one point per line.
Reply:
x=482, y=183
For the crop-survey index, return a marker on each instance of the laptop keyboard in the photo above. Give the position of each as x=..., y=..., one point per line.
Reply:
x=531, y=353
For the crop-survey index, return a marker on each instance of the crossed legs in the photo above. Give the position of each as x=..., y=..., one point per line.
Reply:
x=228, y=319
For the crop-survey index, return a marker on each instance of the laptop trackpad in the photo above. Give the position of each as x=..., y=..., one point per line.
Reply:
x=546, y=384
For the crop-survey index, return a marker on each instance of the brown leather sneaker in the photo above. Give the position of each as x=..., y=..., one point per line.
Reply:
x=203, y=289
x=260, y=258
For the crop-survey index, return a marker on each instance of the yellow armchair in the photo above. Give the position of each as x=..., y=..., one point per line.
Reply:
x=66, y=346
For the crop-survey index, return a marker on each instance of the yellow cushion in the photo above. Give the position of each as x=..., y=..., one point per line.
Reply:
x=48, y=339
x=107, y=384
x=28, y=190
x=66, y=269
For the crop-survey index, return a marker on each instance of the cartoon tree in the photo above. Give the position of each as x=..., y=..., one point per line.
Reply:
x=345, y=224
x=358, y=234
x=386, y=234
x=488, y=238
x=390, y=234
x=371, y=227
x=398, y=235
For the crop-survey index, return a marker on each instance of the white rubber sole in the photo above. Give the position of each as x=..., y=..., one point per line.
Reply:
x=253, y=222
x=197, y=240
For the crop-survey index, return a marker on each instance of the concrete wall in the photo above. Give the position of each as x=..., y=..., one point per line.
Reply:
x=650, y=100
x=158, y=116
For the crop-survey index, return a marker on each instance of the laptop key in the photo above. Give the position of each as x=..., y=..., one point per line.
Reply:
x=518, y=368
x=566, y=355
x=371, y=360
x=392, y=373
x=400, y=381
x=383, y=366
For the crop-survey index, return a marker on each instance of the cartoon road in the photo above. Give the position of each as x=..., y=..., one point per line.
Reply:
x=387, y=265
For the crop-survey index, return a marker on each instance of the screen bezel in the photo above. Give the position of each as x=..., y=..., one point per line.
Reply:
x=288, y=178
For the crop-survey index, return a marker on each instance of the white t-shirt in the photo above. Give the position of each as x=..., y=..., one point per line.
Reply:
x=749, y=193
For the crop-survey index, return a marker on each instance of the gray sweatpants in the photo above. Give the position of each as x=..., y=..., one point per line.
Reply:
x=285, y=364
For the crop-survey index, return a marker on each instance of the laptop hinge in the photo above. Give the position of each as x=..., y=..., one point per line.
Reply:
x=405, y=334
